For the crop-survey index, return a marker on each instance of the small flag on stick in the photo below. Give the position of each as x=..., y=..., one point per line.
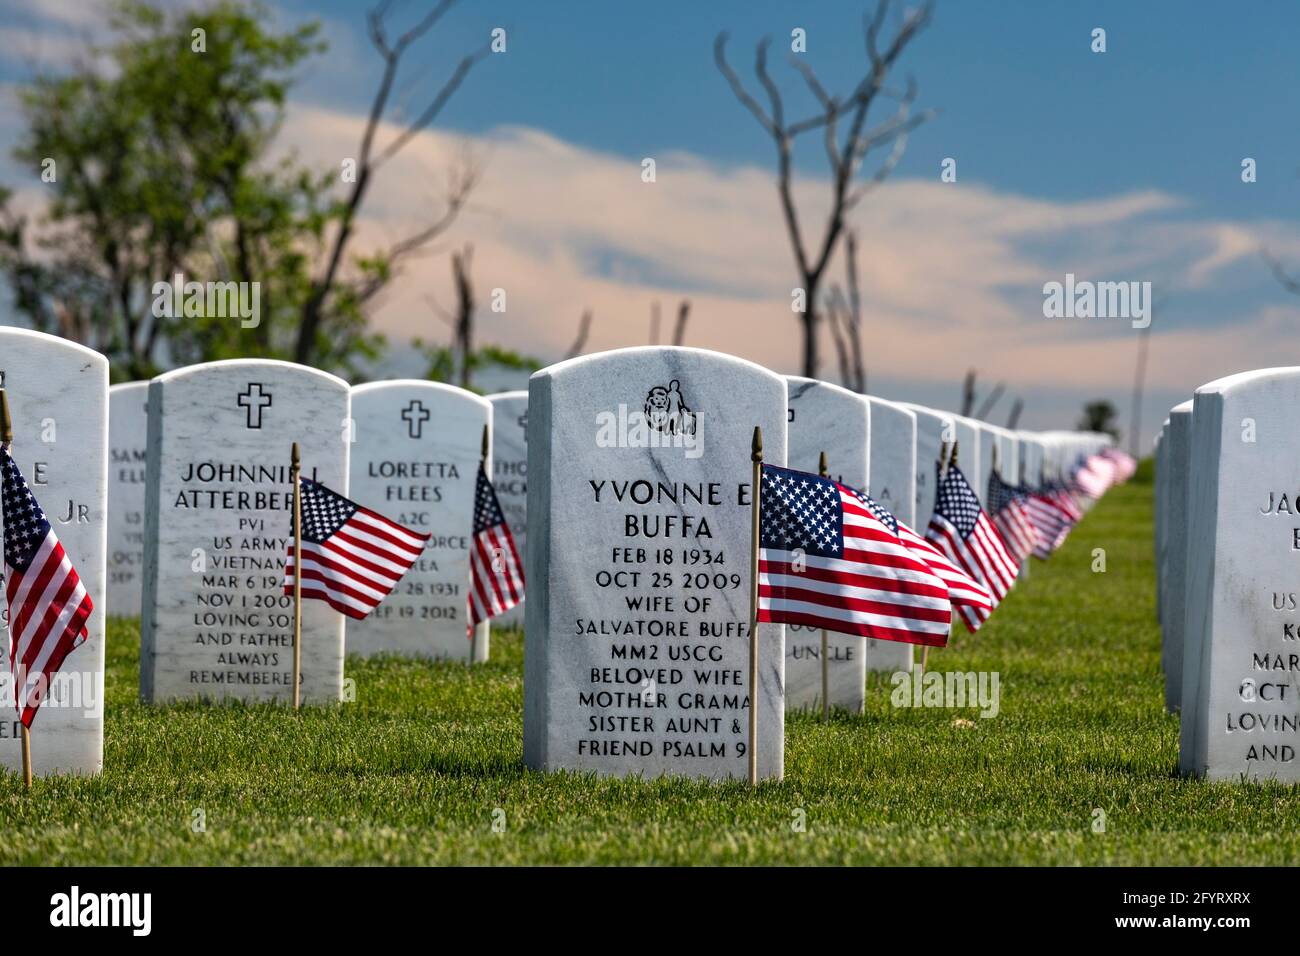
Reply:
x=962, y=531
x=352, y=557
x=48, y=604
x=496, y=573
x=1007, y=506
x=832, y=557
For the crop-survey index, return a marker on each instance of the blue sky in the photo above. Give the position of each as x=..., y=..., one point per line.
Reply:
x=1116, y=166
x=1184, y=91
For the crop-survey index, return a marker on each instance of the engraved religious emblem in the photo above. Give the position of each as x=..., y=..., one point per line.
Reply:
x=253, y=399
x=522, y=420
x=415, y=415
x=665, y=411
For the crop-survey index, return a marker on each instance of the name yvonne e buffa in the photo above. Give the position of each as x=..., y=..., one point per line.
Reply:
x=669, y=572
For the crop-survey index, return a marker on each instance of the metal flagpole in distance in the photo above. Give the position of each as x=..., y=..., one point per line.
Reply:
x=826, y=683
x=756, y=493
x=295, y=475
x=7, y=439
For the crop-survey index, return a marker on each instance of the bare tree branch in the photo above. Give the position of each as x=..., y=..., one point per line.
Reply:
x=368, y=162
x=847, y=140
x=683, y=313
x=835, y=319
x=986, y=406
x=968, y=393
x=580, y=341
x=1014, y=418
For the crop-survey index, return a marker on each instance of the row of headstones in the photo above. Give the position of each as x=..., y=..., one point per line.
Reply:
x=173, y=500
x=638, y=551
x=638, y=562
x=1227, y=550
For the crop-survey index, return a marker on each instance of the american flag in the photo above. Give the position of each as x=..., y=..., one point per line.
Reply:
x=1050, y=520
x=48, y=605
x=352, y=557
x=830, y=557
x=496, y=573
x=1093, y=476
x=963, y=590
x=1007, y=506
x=962, y=531
x=1123, y=463
x=1067, y=502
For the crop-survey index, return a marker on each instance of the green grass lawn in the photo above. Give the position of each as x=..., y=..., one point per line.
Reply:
x=414, y=771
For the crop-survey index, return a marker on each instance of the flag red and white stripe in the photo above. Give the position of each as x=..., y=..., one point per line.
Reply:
x=1124, y=464
x=1093, y=476
x=496, y=573
x=352, y=557
x=830, y=557
x=963, y=590
x=1050, y=520
x=1006, y=505
x=962, y=531
x=48, y=604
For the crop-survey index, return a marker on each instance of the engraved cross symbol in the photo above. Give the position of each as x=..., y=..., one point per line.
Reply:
x=415, y=415
x=254, y=400
x=523, y=423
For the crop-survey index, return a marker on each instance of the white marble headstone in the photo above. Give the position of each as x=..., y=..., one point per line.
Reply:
x=934, y=430
x=827, y=418
x=218, y=508
x=415, y=461
x=1240, y=714
x=893, y=458
x=892, y=483
x=510, y=475
x=1161, y=506
x=128, y=407
x=1031, y=459
x=637, y=621
x=1178, y=462
x=969, y=459
x=58, y=395
x=988, y=442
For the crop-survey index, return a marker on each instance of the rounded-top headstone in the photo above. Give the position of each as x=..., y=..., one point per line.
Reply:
x=58, y=397
x=510, y=475
x=825, y=418
x=1240, y=716
x=218, y=513
x=1175, y=581
x=128, y=406
x=934, y=430
x=415, y=461
x=638, y=567
x=893, y=458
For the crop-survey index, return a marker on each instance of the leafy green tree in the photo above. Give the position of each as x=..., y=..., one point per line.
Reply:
x=1100, y=416
x=162, y=143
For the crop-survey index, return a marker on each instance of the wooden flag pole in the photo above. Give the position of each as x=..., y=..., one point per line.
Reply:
x=756, y=493
x=7, y=439
x=295, y=475
x=826, y=682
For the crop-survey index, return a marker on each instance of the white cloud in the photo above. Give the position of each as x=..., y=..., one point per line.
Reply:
x=951, y=276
